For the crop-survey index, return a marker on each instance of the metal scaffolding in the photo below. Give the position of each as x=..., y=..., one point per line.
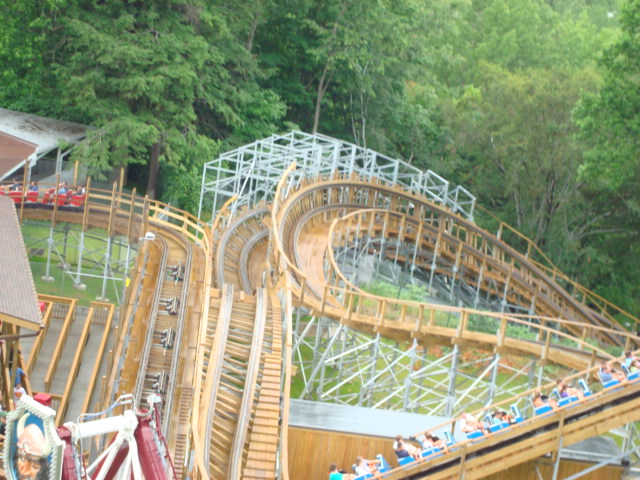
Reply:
x=252, y=172
x=341, y=365
x=81, y=255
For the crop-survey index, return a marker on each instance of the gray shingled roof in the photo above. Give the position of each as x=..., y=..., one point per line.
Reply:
x=18, y=299
x=40, y=134
x=359, y=420
x=43, y=132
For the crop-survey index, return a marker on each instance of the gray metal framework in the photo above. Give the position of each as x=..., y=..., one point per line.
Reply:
x=409, y=377
x=95, y=255
x=252, y=172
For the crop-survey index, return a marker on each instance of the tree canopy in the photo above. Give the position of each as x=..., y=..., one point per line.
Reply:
x=530, y=104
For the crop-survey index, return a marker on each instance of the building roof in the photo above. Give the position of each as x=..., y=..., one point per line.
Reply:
x=18, y=298
x=23, y=135
x=12, y=152
x=359, y=420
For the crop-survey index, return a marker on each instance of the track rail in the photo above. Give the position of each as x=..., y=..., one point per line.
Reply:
x=235, y=245
x=440, y=235
x=163, y=339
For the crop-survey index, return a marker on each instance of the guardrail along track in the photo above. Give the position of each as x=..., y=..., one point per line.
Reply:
x=163, y=340
x=244, y=237
x=440, y=234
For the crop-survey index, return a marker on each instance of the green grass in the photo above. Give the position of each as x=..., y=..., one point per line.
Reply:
x=67, y=245
x=62, y=285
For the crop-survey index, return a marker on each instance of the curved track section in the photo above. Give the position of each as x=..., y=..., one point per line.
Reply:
x=439, y=239
x=318, y=220
x=241, y=251
x=315, y=221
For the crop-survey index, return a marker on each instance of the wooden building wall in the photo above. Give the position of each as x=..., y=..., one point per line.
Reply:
x=312, y=451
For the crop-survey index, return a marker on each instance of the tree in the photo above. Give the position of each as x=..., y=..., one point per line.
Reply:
x=26, y=51
x=610, y=118
x=332, y=59
x=609, y=123
x=514, y=140
x=135, y=73
x=160, y=82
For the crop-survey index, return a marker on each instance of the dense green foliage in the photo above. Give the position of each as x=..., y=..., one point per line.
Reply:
x=530, y=104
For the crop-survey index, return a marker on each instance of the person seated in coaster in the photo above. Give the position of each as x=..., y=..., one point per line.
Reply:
x=566, y=390
x=540, y=400
x=406, y=450
x=399, y=438
x=435, y=441
x=335, y=474
x=16, y=186
x=364, y=466
x=33, y=187
x=501, y=416
x=469, y=423
x=607, y=373
x=631, y=361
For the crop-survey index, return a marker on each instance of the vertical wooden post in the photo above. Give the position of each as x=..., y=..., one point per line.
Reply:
x=75, y=173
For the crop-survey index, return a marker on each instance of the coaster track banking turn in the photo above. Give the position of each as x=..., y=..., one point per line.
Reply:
x=437, y=240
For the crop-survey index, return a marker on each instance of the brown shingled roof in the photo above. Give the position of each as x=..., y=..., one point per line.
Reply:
x=13, y=152
x=18, y=299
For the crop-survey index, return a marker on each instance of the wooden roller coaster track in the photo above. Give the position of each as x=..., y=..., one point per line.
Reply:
x=221, y=364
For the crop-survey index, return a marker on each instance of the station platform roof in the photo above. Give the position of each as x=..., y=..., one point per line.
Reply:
x=359, y=420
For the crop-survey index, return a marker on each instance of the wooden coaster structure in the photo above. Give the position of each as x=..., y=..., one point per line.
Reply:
x=222, y=359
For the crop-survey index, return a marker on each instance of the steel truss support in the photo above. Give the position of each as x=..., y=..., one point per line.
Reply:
x=252, y=171
x=451, y=391
x=345, y=366
x=83, y=255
